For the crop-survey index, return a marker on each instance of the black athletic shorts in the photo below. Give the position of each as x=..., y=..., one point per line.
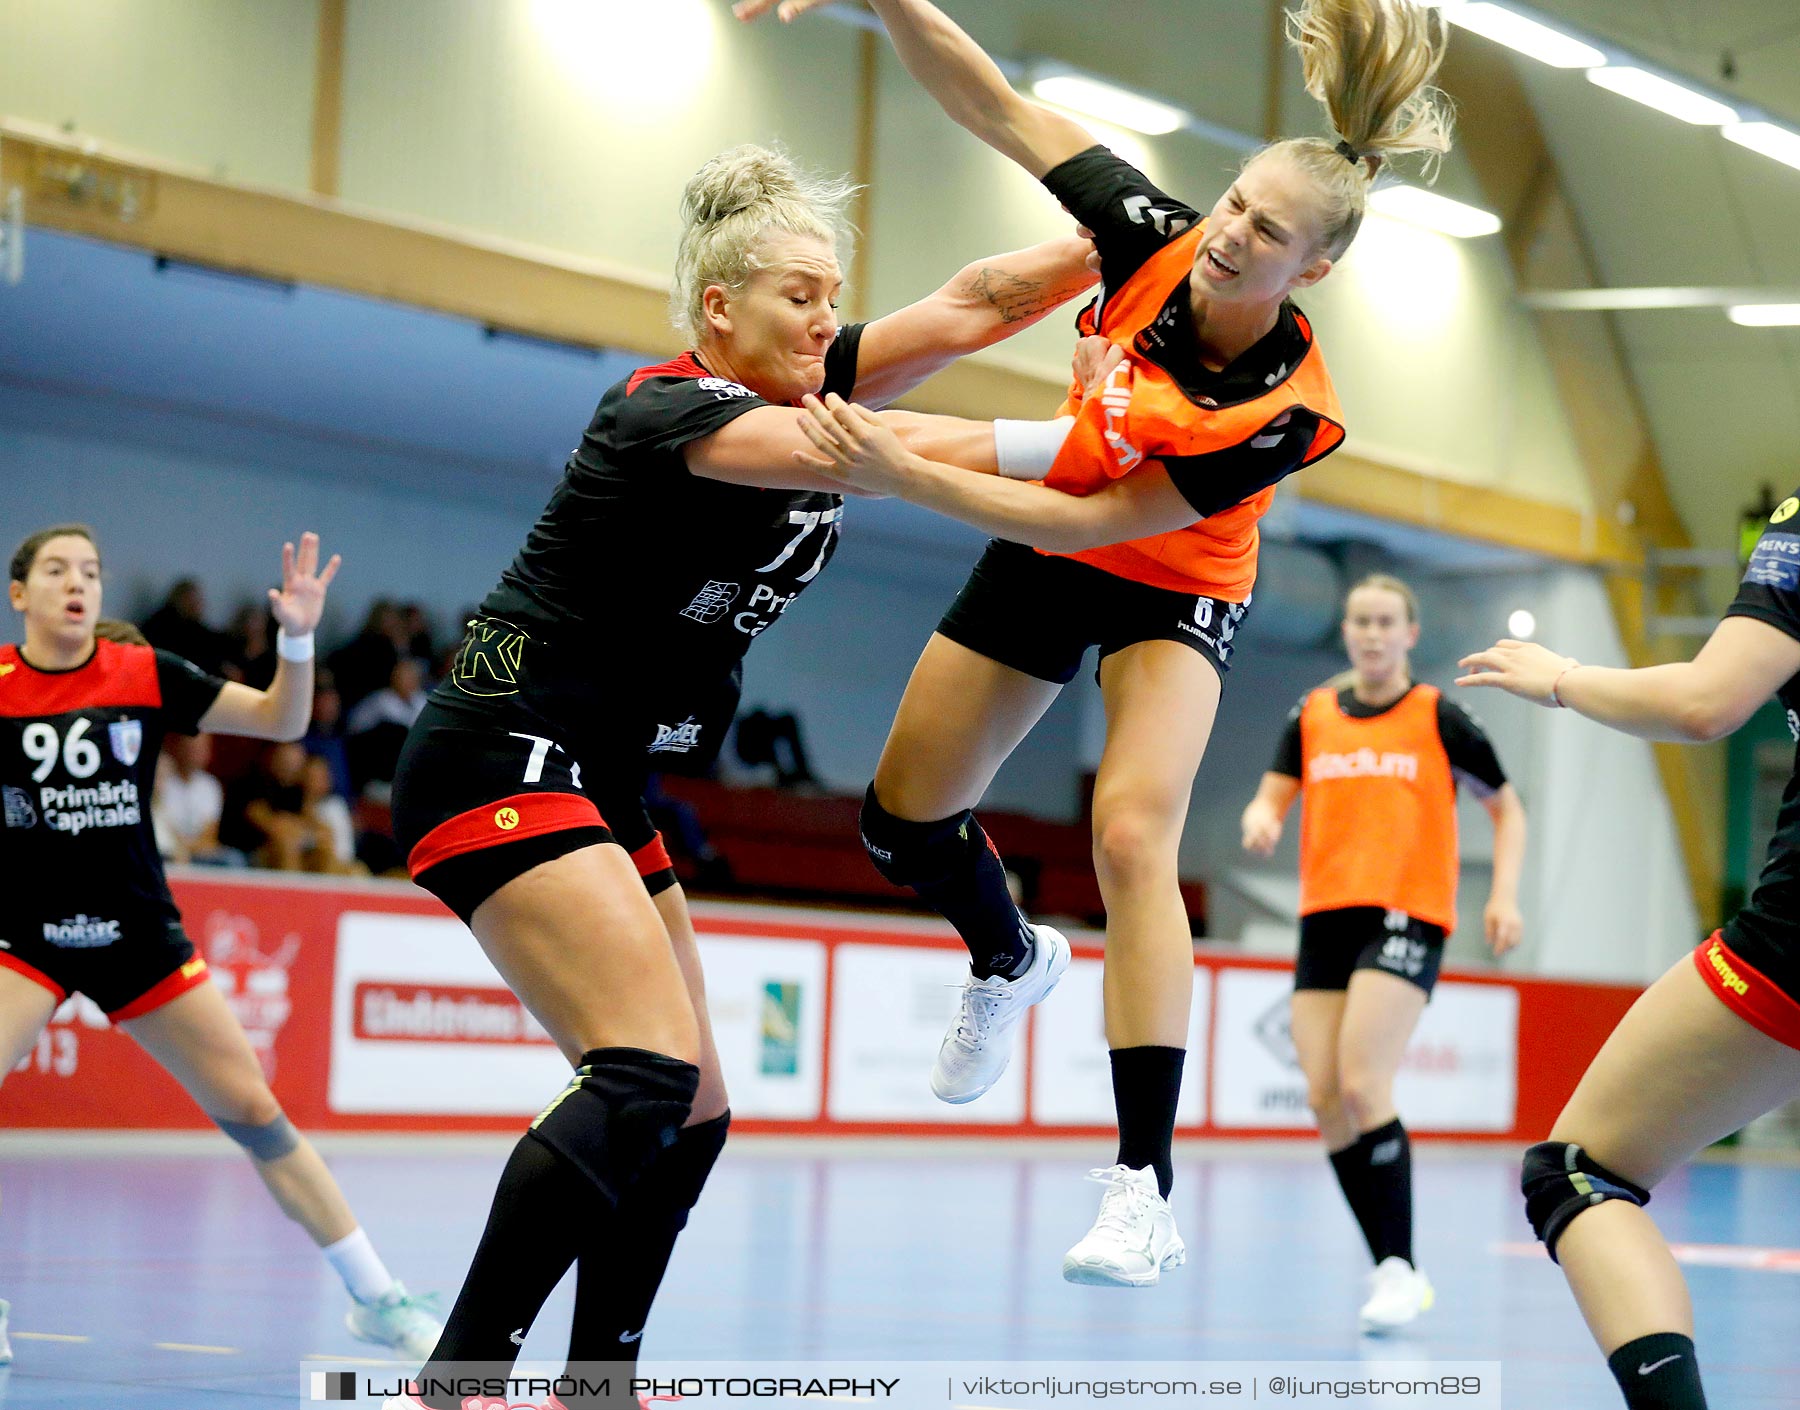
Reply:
x=1039, y=614
x=496, y=778
x=1754, y=968
x=128, y=966
x=1335, y=944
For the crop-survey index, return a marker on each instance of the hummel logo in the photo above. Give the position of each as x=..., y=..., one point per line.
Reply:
x=631, y=1336
x=517, y=1338
x=1657, y=1365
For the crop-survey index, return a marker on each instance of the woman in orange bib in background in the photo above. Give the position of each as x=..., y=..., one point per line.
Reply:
x=1377, y=759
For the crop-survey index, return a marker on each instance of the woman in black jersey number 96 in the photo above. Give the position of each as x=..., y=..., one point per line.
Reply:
x=682, y=529
x=1715, y=1041
x=83, y=711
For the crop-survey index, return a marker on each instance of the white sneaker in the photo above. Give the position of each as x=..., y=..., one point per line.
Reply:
x=1398, y=1292
x=398, y=1320
x=5, y=1337
x=1134, y=1238
x=978, y=1046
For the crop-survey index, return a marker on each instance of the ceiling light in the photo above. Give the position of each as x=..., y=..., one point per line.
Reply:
x=1534, y=40
x=1764, y=315
x=1434, y=212
x=1768, y=139
x=1119, y=106
x=1654, y=91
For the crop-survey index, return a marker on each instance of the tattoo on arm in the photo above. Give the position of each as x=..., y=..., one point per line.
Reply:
x=1010, y=296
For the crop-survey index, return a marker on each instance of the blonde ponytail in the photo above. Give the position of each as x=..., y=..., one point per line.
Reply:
x=1371, y=64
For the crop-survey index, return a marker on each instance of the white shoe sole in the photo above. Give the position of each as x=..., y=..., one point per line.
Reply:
x=1370, y=1327
x=1059, y=965
x=1101, y=1275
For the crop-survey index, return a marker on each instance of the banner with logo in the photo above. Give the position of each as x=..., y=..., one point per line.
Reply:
x=371, y=1009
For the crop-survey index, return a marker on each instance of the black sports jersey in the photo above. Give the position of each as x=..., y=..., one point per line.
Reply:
x=77, y=762
x=1473, y=762
x=1132, y=219
x=663, y=575
x=1770, y=593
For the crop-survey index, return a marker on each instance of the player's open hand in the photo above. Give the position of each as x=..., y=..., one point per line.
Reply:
x=854, y=445
x=301, y=600
x=1262, y=830
x=1504, y=925
x=1521, y=668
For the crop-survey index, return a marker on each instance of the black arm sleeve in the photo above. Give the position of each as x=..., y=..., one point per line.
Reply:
x=1130, y=216
x=1288, y=759
x=1222, y=478
x=1770, y=591
x=187, y=692
x=840, y=361
x=1472, y=757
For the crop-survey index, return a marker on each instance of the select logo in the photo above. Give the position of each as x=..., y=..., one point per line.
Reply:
x=334, y=1385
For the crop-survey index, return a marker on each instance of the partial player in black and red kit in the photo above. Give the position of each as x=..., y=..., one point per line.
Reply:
x=1712, y=1044
x=88, y=909
x=681, y=531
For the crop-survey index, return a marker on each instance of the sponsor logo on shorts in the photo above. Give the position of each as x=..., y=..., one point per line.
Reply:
x=1729, y=978
x=506, y=819
x=683, y=738
x=82, y=932
x=1403, y=956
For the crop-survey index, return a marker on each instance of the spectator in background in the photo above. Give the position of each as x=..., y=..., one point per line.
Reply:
x=377, y=726
x=334, y=851
x=324, y=736
x=278, y=828
x=249, y=648
x=187, y=804
x=364, y=664
x=766, y=738
x=179, y=626
x=416, y=625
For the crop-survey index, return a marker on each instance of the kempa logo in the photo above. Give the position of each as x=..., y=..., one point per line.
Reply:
x=82, y=932
x=1728, y=976
x=1364, y=763
x=676, y=739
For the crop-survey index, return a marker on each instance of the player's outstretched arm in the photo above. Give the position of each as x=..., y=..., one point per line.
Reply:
x=281, y=711
x=966, y=83
x=1742, y=664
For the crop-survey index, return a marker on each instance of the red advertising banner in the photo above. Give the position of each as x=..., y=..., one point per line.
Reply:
x=372, y=1009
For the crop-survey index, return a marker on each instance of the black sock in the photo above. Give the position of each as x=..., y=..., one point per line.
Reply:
x=1658, y=1372
x=1375, y=1174
x=954, y=868
x=523, y=1253
x=1146, y=1086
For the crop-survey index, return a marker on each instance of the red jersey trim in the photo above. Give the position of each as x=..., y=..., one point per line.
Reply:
x=190, y=976
x=116, y=675
x=652, y=857
x=687, y=365
x=499, y=822
x=1747, y=992
x=36, y=976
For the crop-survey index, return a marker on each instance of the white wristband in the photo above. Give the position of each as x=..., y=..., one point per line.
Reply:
x=293, y=648
x=1026, y=450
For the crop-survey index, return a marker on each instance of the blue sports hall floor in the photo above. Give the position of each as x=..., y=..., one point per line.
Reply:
x=154, y=1274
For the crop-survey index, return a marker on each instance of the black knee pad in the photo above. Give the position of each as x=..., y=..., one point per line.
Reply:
x=1559, y=1180
x=671, y=1188
x=622, y=1108
x=916, y=853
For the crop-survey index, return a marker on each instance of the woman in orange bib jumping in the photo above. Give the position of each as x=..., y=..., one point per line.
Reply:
x=1376, y=760
x=1139, y=538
